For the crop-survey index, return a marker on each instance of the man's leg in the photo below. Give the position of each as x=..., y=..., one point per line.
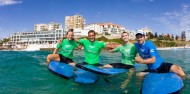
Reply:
x=178, y=70
x=53, y=57
x=141, y=74
x=72, y=63
x=107, y=66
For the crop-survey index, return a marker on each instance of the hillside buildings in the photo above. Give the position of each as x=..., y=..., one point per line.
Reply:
x=106, y=28
x=40, y=37
x=74, y=22
x=47, y=27
x=51, y=32
x=146, y=30
x=187, y=36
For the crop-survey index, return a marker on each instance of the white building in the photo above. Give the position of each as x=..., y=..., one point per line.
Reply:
x=145, y=30
x=132, y=34
x=81, y=32
x=106, y=28
x=112, y=29
x=96, y=27
x=187, y=36
x=40, y=37
x=40, y=27
x=47, y=27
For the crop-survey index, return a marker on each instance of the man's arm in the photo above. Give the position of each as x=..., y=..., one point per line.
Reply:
x=151, y=60
x=111, y=46
x=79, y=47
x=76, y=39
x=55, y=51
x=111, y=51
x=60, y=40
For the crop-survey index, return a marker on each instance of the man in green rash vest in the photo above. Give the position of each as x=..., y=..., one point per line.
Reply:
x=92, y=48
x=128, y=52
x=66, y=47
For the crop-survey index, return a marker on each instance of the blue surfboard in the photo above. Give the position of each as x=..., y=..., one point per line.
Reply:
x=162, y=83
x=61, y=69
x=83, y=76
x=67, y=71
x=101, y=71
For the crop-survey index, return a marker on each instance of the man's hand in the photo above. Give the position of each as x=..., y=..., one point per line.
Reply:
x=111, y=51
x=138, y=59
x=60, y=40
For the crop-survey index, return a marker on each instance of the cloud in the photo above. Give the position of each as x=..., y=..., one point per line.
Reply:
x=98, y=14
x=176, y=21
x=151, y=0
x=9, y=2
x=138, y=1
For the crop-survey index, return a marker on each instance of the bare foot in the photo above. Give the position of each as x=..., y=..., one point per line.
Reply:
x=141, y=74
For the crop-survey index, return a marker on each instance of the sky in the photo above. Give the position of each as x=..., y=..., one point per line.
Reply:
x=161, y=16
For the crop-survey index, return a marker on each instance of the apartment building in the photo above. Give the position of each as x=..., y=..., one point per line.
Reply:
x=74, y=22
x=47, y=27
x=96, y=27
x=106, y=28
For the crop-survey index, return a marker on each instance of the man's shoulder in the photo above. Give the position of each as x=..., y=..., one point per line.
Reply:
x=136, y=43
x=83, y=40
x=100, y=41
x=64, y=40
x=132, y=44
x=149, y=41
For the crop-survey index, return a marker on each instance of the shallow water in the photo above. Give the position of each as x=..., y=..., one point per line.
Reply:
x=25, y=72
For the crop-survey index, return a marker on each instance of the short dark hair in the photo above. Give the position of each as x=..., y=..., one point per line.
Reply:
x=124, y=32
x=70, y=30
x=91, y=31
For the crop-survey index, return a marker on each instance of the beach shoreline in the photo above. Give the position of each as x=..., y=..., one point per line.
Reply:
x=165, y=48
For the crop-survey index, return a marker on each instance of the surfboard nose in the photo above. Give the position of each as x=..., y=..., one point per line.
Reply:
x=162, y=83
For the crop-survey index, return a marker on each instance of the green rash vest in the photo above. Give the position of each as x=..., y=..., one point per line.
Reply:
x=92, y=50
x=128, y=52
x=67, y=47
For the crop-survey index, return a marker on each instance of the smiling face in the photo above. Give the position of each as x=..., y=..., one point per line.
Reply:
x=140, y=38
x=125, y=37
x=69, y=35
x=91, y=36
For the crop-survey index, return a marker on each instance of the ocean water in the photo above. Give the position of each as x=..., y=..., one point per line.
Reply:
x=25, y=72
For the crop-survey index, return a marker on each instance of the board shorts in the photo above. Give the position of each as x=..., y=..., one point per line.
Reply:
x=164, y=68
x=65, y=59
x=121, y=65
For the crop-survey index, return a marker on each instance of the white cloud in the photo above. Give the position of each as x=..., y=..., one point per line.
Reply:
x=138, y=1
x=98, y=14
x=9, y=2
x=176, y=21
x=151, y=0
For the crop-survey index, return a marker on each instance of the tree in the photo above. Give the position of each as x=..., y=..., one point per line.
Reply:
x=150, y=35
x=5, y=40
x=102, y=38
x=176, y=37
x=168, y=36
x=156, y=35
x=172, y=36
